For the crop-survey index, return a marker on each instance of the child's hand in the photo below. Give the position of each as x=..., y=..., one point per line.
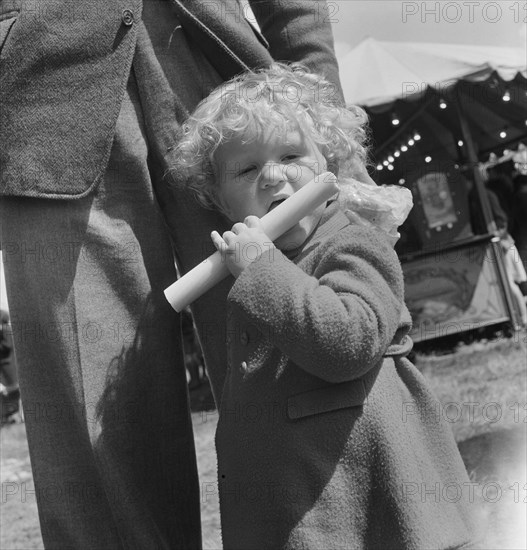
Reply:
x=243, y=244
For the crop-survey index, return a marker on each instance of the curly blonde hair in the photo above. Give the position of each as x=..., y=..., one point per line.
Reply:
x=287, y=96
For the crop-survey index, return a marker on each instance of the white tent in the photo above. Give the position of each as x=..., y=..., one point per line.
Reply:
x=376, y=72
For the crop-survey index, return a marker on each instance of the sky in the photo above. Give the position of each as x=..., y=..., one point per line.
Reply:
x=501, y=23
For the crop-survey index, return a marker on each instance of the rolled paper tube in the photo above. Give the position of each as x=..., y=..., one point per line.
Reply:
x=275, y=223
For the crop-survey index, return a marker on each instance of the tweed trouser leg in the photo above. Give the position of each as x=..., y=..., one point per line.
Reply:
x=101, y=371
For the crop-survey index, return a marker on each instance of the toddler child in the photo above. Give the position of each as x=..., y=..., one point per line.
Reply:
x=328, y=437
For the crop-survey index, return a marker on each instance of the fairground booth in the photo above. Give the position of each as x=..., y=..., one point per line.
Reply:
x=437, y=113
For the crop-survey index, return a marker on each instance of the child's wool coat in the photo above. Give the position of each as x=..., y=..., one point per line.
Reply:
x=328, y=437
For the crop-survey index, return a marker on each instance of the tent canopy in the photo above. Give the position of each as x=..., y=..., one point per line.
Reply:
x=409, y=79
x=378, y=72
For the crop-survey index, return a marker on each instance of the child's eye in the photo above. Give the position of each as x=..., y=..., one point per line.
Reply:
x=247, y=170
x=291, y=157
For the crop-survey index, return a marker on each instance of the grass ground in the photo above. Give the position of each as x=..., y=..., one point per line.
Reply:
x=483, y=391
x=482, y=388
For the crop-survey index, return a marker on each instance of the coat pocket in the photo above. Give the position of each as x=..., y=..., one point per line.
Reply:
x=327, y=399
x=9, y=9
x=5, y=27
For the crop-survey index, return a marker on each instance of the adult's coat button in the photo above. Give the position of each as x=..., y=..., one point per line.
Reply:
x=128, y=18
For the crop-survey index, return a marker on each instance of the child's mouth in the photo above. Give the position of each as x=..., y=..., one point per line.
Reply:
x=274, y=204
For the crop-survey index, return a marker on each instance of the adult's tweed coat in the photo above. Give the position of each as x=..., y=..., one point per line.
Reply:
x=328, y=437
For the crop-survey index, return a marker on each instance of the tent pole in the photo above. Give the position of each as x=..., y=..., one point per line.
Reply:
x=481, y=190
x=487, y=212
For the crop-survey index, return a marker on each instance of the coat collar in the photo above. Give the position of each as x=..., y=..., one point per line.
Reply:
x=224, y=35
x=332, y=221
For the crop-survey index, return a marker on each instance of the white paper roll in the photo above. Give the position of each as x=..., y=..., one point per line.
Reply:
x=275, y=223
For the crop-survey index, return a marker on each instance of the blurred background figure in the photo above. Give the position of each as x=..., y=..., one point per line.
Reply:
x=519, y=226
x=9, y=390
x=500, y=190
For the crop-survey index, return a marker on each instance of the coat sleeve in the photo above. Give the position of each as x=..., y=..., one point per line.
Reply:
x=300, y=31
x=337, y=323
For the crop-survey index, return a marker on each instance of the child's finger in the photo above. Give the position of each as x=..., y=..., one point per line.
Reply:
x=228, y=237
x=252, y=221
x=238, y=227
x=218, y=242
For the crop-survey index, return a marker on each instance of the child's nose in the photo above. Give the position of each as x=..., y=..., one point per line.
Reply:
x=273, y=173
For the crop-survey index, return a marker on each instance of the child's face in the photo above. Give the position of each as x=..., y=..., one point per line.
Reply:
x=254, y=177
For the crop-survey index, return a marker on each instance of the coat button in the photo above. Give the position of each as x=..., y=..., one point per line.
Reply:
x=128, y=18
x=244, y=338
x=243, y=367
